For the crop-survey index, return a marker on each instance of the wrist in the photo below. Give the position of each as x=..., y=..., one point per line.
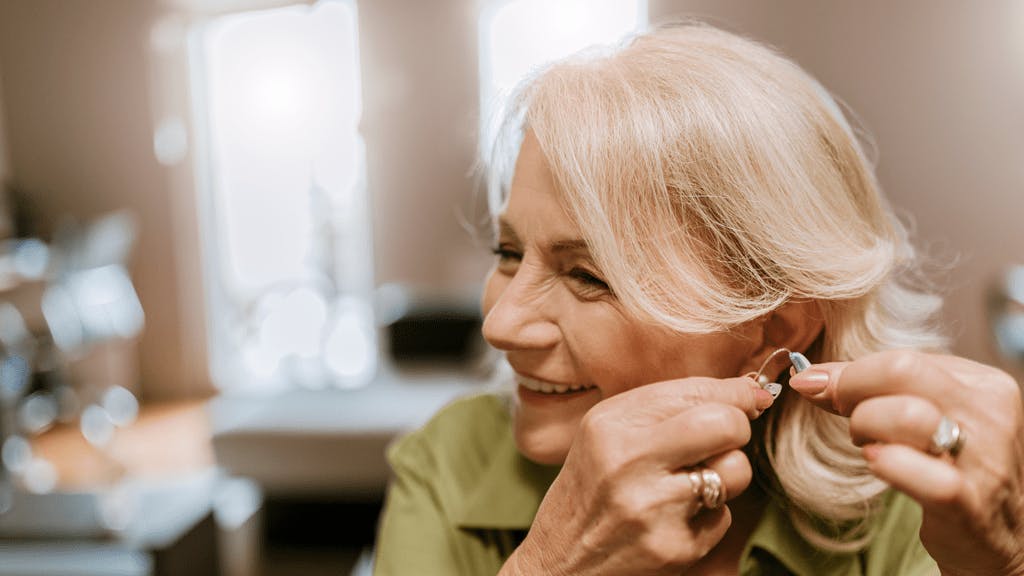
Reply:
x=520, y=563
x=528, y=560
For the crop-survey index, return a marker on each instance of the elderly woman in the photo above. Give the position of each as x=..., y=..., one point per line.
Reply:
x=680, y=210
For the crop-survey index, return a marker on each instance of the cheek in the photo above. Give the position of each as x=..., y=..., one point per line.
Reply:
x=619, y=356
x=611, y=355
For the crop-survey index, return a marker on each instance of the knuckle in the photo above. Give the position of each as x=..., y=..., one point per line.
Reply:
x=664, y=553
x=910, y=415
x=607, y=451
x=948, y=494
x=1001, y=478
x=744, y=470
x=594, y=423
x=733, y=392
x=630, y=507
x=1005, y=386
x=728, y=423
x=697, y=391
x=901, y=365
x=739, y=433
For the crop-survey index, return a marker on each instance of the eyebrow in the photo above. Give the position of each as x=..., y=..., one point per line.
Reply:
x=568, y=245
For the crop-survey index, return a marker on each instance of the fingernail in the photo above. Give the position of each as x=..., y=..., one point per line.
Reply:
x=810, y=381
x=763, y=399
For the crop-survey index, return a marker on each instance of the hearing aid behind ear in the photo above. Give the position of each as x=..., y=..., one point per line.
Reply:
x=798, y=360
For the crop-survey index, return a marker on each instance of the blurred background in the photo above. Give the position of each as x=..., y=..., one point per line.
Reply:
x=237, y=252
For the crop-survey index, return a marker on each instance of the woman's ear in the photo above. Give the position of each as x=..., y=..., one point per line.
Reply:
x=795, y=325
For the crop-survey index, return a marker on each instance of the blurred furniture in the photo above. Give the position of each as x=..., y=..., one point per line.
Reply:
x=327, y=442
x=69, y=316
x=160, y=508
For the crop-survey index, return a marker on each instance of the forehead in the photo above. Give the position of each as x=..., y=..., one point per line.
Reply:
x=532, y=168
x=534, y=207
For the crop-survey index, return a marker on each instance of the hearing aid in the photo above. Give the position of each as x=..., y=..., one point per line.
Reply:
x=796, y=359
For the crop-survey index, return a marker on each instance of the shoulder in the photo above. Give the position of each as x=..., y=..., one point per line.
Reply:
x=899, y=515
x=436, y=471
x=896, y=545
x=459, y=439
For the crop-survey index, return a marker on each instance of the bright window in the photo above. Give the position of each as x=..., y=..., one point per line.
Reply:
x=286, y=232
x=517, y=36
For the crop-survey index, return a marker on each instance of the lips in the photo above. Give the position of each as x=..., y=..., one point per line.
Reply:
x=545, y=387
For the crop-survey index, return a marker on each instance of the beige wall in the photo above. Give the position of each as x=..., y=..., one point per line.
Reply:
x=79, y=134
x=420, y=114
x=3, y=134
x=5, y=221
x=938, y=82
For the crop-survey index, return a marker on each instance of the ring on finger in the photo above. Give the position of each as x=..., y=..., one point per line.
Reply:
x=948, y=438
x=712, y=494
x=697, y=485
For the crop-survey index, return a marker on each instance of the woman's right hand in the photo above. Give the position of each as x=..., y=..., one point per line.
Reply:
x=623, y=502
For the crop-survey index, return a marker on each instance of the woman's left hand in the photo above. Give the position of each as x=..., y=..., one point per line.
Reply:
x=973, y=502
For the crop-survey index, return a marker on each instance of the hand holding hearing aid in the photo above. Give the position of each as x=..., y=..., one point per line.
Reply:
x=949, y=433
x=646, y=481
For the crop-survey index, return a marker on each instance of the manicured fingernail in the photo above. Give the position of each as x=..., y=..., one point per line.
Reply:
x=763, y=399
x=810, y=381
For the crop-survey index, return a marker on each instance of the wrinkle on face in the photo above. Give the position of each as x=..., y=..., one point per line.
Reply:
x=550, y=328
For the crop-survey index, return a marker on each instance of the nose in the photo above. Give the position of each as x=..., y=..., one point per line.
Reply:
x=517, y=318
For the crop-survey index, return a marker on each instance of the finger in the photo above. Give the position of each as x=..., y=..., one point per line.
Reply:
x=661, y=400
x=907, y=420
x=816, y=384
x=699, y=433
x=935, y=483
x=708, y=528
x=735, y=471
x=840, y=386
x=733, y=468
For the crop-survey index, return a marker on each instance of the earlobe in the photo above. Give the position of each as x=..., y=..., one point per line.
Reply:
x=795, y=326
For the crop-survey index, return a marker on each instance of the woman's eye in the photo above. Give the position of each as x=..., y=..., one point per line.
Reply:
x=505, y=254
x=588, y=280
x=508, y=258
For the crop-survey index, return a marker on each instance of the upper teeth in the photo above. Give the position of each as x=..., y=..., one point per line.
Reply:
x=548, y=387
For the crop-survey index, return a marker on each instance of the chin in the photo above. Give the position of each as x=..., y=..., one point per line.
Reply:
x=547, y=456
x=545, y=443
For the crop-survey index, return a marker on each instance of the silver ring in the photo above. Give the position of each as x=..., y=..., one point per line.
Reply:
x=948, y=438
x=712, y=494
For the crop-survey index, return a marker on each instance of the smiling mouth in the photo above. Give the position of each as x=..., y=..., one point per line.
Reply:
x=549, y=387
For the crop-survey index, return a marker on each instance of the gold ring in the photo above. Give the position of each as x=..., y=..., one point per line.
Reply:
x=712, y=490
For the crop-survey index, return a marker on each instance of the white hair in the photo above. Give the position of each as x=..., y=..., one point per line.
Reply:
x=714, y=181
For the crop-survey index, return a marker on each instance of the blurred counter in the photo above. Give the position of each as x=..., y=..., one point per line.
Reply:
x=327, y=442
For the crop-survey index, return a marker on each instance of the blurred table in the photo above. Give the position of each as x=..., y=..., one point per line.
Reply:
x=151, y=504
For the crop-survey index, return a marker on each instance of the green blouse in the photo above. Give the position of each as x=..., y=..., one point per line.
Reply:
x=463, y=498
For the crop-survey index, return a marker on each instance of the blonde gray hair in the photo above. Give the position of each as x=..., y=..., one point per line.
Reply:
x=714, y=181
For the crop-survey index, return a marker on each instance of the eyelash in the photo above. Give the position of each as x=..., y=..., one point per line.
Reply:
x=504, y=253
x=586, y=278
